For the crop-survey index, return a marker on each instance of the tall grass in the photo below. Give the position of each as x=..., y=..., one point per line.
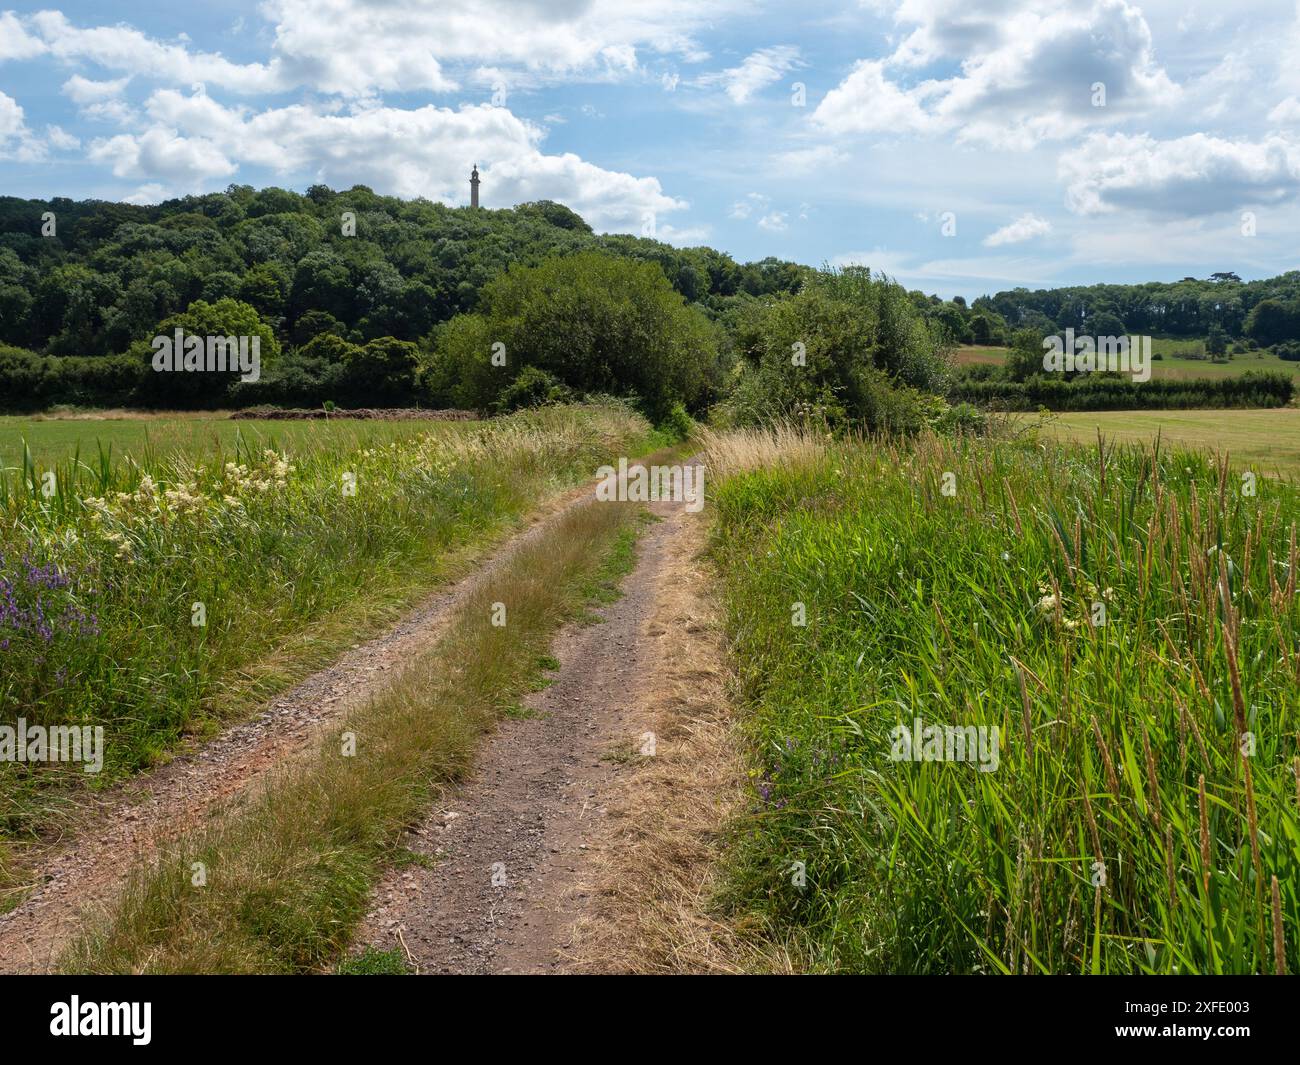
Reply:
x=99, y=580
x=741, y=450
x=1123, y=831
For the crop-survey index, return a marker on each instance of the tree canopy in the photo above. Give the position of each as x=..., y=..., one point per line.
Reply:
x=592, y=322
x=376, y=265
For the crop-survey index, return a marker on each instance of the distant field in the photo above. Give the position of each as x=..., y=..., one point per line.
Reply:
x=1268, y=441
x=1171, y=365
x=981, y=354
x=51, y=440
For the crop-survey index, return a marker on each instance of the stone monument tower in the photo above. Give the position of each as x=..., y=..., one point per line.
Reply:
x=473, y=186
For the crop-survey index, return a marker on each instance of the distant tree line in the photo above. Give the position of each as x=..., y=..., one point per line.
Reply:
x=352, y=263
x=1227, y=313
x=1021, y=382
x=359, y=300
x=1267, y=311
x=351, y=287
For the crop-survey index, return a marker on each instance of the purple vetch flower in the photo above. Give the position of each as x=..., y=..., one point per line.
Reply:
x=40, y=601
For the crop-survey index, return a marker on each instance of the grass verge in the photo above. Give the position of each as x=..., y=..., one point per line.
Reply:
x=1121, y=623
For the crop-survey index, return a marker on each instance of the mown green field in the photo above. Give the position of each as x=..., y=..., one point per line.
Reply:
x=51, y=440
x=1103, y=649
x=1171, y=366
x=1266, y=441
x=981, y=355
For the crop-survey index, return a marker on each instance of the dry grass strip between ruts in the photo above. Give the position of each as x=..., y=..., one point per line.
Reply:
x=667, y=825
x=278, y=885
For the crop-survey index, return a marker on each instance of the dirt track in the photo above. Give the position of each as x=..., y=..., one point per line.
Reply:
x=511, y=852
x=525, y=859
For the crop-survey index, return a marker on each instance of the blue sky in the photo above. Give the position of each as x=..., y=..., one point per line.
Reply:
x=962, y=146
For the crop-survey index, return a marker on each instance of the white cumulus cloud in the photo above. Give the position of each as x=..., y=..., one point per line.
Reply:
x=424, y=151
x=1026, y=227
x=1193, y=175
x=1026, y=72
x=758, y=70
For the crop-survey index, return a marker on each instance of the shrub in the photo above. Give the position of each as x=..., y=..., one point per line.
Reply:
x=592, y=322
x=532, y=387
x=32, y=382
x=848, y=348
x=979, y=371
x=301, y=378
x=22, y=376
x=678, y=425
x=962, y=418
x=1113, y=392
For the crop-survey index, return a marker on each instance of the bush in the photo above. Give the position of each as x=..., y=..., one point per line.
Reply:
x=678, y=425
x=380, y=373
x=979, y=371
x=532, y=387
x=22, y=376
x=93, y=381
x=32, y=382
x=302, y=378
x=962, y=418
x=894, y=408
x=593, y=323
x=849, y=348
